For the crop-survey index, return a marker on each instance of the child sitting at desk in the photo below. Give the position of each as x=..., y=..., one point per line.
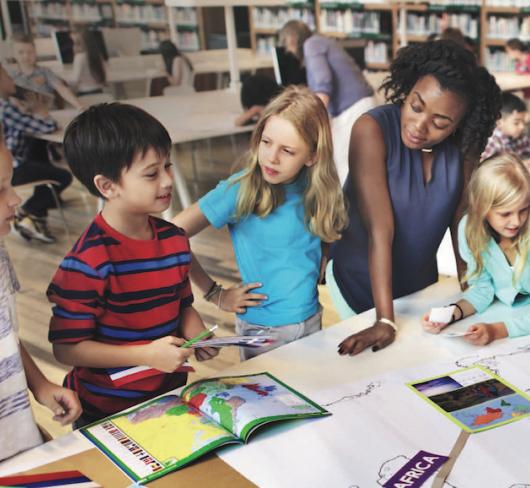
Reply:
x=518, y=52
x=26, y=72
x=122, y=295
x=280, y=211
x=494, y=240
x=510, y=134
x=89, y=68
x=256, y=92
x=24, y=112
x=18, y=430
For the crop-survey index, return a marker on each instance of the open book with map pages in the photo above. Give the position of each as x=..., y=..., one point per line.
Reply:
x=474, y=398
x=171, y=431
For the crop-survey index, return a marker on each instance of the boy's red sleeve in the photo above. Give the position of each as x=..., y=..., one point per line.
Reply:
x=77, y=292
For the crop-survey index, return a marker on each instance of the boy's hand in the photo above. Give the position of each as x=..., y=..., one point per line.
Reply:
x=63, y=402
x=205, y=353
x=165, y=354
x=238, y=298
x=432, y=327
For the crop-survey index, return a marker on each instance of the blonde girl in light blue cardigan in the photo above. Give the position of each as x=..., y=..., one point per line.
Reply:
x=494, y=240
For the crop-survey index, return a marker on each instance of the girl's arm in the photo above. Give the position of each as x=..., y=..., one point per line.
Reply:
x=67, y=94
x=369, y=177
x=234, y=299
x=462, y=310
x=63, y=402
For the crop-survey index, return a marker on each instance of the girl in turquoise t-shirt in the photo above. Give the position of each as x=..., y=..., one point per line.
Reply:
x=494, y=240
x=279, y=210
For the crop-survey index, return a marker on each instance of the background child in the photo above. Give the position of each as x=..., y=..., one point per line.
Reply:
x=256, y=92
x=494, y=240
x=18, y=430
x=89, y=67
x=122, y=294
x=510, y=134
x=27, y=73
x=278, y=210
x=178, y=66
x=518, y=52
x=24, y=112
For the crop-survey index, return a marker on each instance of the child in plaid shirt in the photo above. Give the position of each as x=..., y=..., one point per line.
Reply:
x=510, y=134
x=22, y=113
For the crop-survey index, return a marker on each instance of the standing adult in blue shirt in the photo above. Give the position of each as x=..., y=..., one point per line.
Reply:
x=409, y=163
x=336, y=79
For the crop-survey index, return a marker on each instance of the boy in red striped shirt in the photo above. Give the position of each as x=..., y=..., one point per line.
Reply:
x=122, y=295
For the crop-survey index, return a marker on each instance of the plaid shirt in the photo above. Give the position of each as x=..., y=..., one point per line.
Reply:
x=499, y=143
x=17, y=125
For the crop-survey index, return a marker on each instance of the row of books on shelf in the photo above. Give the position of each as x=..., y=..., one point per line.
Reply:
x=508, y=27
x=141, y=13
x=265, y=44
x=376, y=53
x=186, y=15
x=426, y=24
x=498, y=60
x=508, y=3
x=275, y=18
x=350, y=22
x=151, y=39
x=188, y=40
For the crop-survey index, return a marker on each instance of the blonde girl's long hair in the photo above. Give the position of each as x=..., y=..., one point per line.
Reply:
x=324, y=208
x=497, y=182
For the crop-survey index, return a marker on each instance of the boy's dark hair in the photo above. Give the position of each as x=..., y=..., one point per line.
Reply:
x=106, y=138
x=516, y=45
x=512, y=103
x=456, y=69
x=258, y=90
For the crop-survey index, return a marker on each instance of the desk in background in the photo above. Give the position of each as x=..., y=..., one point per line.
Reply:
x=369, y=429
x=187, y=118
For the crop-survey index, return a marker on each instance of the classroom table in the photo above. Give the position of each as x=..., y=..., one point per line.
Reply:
x=327, y=452
x=187, y=118
x=122, y=69
x=510, y=81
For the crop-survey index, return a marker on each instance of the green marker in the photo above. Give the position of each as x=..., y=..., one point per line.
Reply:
x=199, y=337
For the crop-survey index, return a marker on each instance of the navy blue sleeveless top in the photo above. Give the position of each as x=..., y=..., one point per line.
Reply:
x=422, y=214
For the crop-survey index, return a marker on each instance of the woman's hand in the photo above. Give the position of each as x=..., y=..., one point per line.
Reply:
x=432, y=327
x=238, y=298
x=377, y=336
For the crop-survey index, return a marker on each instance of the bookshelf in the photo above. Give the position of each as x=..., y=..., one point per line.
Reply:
x=503, y=20
x=150, y=16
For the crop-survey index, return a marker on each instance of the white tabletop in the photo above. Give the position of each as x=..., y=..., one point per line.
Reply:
x=190, y=117
x=512, y=81
x=370, y=427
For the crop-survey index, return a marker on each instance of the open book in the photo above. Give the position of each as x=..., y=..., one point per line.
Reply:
x=169, y=432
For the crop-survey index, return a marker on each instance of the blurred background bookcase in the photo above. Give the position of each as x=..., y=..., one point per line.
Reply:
x=371, y=31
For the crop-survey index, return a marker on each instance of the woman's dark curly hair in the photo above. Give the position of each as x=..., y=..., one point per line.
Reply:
x=456, y=69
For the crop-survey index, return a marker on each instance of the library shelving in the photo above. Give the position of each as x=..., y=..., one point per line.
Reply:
x=150, y=16
x=266, y=21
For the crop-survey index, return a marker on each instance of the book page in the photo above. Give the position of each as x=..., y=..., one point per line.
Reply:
x=157, y=437
x=240, y=403
x=474, y=398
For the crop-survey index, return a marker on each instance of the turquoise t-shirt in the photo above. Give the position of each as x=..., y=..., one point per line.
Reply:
x=277, y=251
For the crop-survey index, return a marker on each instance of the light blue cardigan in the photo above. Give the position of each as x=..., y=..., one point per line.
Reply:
x=496, y=280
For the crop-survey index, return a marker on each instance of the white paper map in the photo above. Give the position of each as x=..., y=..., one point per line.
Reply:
x=376, y=426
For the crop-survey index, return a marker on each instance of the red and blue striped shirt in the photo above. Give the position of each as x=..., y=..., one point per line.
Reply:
x=120, y=291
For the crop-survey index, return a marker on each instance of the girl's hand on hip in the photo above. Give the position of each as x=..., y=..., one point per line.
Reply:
x=432, y=327
x=238, y=298
x=377, y=336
